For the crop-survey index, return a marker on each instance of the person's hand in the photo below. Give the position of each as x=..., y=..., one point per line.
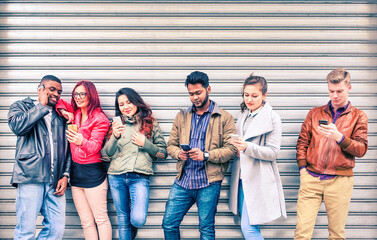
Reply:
x=302, y=170
x=330, y=131
x=196, y=154
x=239, y=143
x=118, y=129
x=42, y=95
x=138, y=139
x=68, y=115
x=183, y=155
x=61, y=187
x=74, y=137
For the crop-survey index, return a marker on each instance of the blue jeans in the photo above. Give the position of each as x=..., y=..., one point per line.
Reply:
x=250, y=232
x=180, y=201
x=128, y=187
x=33, y=198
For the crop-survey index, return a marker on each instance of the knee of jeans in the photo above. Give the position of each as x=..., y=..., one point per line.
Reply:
x=138, y=220
x=250, y=229
x=167, y=224
x=58, y=232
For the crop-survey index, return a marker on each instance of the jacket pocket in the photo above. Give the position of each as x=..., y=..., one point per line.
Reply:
x=25, y=156
x=30, y=165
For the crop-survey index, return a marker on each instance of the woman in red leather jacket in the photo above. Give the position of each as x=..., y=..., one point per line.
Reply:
x=88, y=177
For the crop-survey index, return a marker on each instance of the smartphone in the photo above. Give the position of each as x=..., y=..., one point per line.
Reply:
x=185, y=147
x=323, y=122
x=117, y=119
x=41, y=86
x=234, y=136
x=73, y=127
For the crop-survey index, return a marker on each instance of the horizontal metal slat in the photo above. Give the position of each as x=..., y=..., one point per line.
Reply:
x=194, y=21
x=200, y=7
x=192, y=35
x=179, y=48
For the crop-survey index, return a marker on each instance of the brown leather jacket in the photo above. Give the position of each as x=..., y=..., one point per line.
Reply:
x=220, y=127
x=324, y=155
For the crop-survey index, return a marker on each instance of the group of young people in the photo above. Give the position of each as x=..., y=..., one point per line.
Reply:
x=91, y=154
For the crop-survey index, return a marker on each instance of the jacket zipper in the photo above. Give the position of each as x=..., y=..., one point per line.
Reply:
x=329, y=143
x=327, y=155
x=328, y=149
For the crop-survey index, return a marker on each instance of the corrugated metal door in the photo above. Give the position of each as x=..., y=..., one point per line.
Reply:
x=153, y=45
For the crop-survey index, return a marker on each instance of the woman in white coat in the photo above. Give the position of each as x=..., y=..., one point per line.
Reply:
x=256, y=190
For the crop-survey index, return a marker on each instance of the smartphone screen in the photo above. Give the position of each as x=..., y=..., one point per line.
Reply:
x=73, y=127
x=116, y=119
x=185, y=147
x=323, y=122
x=234, y=136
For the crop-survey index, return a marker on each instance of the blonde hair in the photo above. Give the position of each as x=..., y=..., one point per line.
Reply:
x=338, y=75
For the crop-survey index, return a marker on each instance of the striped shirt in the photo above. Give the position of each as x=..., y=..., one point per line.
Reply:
x=334, y=116
x=194, y=173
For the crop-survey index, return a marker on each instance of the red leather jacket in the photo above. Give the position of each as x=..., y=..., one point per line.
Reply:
x=324, y=155
x=94, y=130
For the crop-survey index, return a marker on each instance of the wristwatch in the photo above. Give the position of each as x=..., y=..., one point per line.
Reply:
x=206, y=155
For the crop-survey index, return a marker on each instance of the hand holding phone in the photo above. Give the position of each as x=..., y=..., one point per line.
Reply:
x=118, y=127
x=234, y=136
x=42, y=95
x=73, y=127
x=117, y=119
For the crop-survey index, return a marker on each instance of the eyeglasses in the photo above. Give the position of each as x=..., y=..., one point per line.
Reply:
x=80, y=95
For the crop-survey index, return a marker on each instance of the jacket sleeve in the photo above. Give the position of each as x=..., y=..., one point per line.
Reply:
x=270, y=150
x=99, y=131
x=68, y=160
x=110, y=147
x=304, y=140
x=21, y=122
x=228, y=150
x=357, y=144
x=156, y=147
x=173, y=147
x=61, y=104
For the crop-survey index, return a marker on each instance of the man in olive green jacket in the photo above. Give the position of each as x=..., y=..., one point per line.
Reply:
x=206, y=130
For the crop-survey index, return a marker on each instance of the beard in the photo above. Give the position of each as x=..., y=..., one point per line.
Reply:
x=204, y=101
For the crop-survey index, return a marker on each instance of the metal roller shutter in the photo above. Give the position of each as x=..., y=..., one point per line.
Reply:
x=153, y=45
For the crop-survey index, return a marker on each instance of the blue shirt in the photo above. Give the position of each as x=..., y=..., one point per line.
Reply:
x=335, y=116
x=194, y=173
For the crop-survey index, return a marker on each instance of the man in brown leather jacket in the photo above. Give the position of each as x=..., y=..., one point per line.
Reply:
x=326, y=154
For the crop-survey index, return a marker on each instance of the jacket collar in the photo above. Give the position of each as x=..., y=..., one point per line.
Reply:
x=216, y=109
x=261, y=123
x=348, y=109
x=28, y=100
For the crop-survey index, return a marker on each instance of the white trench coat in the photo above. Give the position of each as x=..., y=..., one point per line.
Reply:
x=261, y=181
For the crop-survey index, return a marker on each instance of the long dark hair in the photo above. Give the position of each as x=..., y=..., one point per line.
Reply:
x=143, y=113
x=91, y=93
x=252, y=80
